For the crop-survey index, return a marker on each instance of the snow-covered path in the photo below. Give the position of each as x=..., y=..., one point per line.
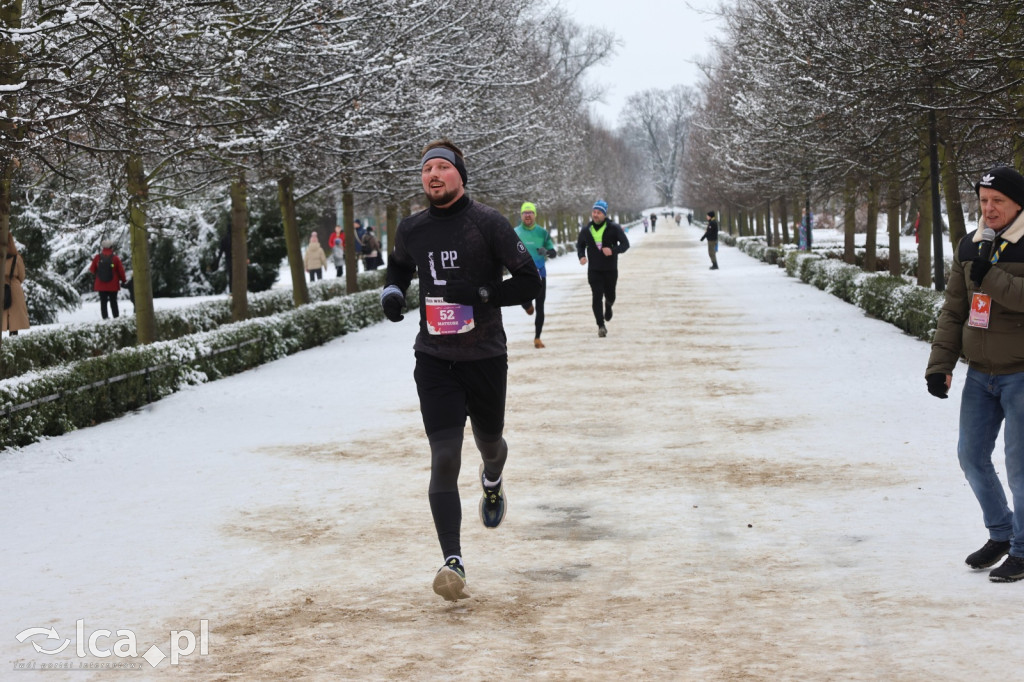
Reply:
x=745, y=480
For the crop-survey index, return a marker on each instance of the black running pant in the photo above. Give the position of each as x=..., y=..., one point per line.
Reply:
x=449, y=392
x=111, y=298
x=602, y=286
x=538, y=306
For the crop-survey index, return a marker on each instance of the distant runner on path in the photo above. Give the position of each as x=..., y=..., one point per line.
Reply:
x=540, y=247
x=598, y=247
x=458, y=249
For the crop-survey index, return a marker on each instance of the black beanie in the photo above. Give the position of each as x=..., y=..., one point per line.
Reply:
x=1006, y=180
x=449, y=156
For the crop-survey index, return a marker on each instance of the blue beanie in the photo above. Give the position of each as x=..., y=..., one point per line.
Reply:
x=602, y=206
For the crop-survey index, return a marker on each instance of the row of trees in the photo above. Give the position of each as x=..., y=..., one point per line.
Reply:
x=857, y=102
x=124, y=117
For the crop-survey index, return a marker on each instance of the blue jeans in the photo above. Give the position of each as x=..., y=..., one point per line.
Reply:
x=988, y=401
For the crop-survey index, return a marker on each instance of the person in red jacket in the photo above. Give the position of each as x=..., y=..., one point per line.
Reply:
x=109, y=276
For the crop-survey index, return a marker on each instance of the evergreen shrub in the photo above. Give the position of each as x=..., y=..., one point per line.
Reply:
x=96, y=389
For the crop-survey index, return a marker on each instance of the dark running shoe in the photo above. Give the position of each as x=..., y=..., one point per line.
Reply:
x=607, y=313
x=450, y=581
x=1011, y=571
x=602, y=332
x=989, y=555
x=492, y=504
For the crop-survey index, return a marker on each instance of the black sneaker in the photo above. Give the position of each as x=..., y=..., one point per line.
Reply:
x=602, y=332
x=492, y=504
x=989, y=555
x=607, y=312
x=1011, y=571
x=450, y=581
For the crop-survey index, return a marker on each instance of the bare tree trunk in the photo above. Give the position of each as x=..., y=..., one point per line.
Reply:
x=351, y=262
x=951, y=191
x=10, y=67
x=871, y=243
x=784, y=219
x=286, y=197
x=924, y=205
x=392, y=226
x=138, y=197
x=797, y=208
x=773, y=216
x=239, y=250
x=893, y=214
x=849, y=220
x=6, y=179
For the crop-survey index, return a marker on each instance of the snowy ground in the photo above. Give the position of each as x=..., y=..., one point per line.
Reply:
x=745, y=480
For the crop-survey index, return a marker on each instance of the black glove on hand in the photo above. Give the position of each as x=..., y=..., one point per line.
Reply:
x=937, y=385
x=467, y=293
x=979, y=268
x=392, y=300
x=703, y=237
x=552, y=253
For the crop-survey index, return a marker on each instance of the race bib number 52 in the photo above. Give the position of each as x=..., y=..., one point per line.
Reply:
x=448, y=318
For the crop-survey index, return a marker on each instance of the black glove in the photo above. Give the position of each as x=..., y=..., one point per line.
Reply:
x=979, y=268
x=552, y=253
x=392, y=300
x=937, y=385
x=703, y=236
x=467, y=293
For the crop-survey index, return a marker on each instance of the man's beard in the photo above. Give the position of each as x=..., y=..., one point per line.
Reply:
x=444, y=199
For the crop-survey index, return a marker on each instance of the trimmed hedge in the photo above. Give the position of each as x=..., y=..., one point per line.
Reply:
x=912, y=308
x=54, y=401
x=71, y=343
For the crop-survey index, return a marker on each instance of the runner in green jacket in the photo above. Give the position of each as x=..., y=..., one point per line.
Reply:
x=539, y=245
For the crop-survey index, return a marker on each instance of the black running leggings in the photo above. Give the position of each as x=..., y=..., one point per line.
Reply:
x=602, y=286
x=538, y=304
x=449, y=392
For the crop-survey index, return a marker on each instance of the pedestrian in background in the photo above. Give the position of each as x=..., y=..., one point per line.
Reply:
x=371, y=250
x=315, y=258
x=711, y=234
x=336, y=243
x=109, y=275
x=15, y=315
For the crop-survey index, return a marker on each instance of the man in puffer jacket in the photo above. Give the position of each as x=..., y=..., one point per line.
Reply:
x=982, y=321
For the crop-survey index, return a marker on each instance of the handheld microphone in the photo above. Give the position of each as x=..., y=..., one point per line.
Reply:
x=988, y=235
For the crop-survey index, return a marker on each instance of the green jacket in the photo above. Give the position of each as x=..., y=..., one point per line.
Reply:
x=537, y=242
x=1000, y=348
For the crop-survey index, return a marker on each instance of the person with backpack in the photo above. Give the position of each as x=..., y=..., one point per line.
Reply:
x=109, y=276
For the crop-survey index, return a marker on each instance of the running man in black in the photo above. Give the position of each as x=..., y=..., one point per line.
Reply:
x=598, y=247
x=458, y=249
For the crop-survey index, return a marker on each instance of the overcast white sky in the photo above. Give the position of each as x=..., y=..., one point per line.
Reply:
x=660, y=39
